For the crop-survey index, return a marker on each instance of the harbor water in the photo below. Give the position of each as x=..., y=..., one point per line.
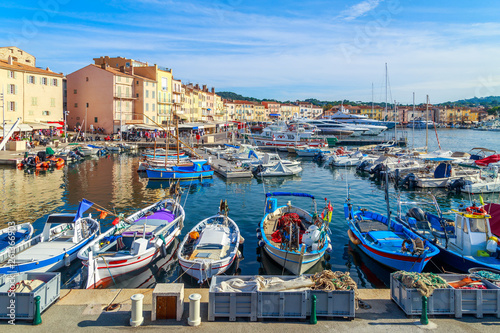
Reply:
x=113, y=182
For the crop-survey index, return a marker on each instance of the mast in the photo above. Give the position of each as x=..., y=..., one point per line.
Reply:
x=177, y=133
x=426, y=123
x=386, y=115
x=395, y=117
x=413, y=124
x=387, y=197
x=167, y=141
x=372, y=100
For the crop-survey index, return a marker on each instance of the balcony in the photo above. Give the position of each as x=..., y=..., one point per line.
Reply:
x=164, y=101
x=124, y=96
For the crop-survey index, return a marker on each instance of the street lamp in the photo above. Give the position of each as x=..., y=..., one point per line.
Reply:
x=65, y=127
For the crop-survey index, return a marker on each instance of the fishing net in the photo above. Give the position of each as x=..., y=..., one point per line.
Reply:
x=328, y=280
x=424, y=282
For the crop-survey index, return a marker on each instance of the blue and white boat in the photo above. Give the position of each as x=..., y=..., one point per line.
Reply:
x=14, y=235
x=291, y=236
x=387, y=241
x=62, y=237
x=465, y=242
x=199, y=169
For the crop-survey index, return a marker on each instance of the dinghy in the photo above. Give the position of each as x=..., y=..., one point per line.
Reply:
x=277, y=170
x=134, y=241
x=291, y=236
x=15, y=235
x=211, y=247
x=62, y=237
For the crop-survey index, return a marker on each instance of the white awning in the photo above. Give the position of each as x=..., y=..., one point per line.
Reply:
x=19, y=127
x=37, y=126
x=147, y=127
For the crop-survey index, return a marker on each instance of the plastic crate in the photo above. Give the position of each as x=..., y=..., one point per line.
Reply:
x=231, y=304
x=282, y=304
x=441, y=302
x=49, y=292
x=478, y=302
x=337, y=303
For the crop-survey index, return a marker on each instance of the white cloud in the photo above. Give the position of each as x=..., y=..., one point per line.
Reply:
x=359, y=9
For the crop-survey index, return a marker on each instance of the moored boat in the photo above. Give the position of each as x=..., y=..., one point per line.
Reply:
x=15, y=235
x=294, y=238
x=211, y=247
x=199, y=169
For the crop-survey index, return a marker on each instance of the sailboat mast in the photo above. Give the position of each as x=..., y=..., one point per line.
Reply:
x=177, y=133
x=395, y=117
x=387, y=197
x=426, y=123
x=413, y=124
x=386, y=83
x=372, y=100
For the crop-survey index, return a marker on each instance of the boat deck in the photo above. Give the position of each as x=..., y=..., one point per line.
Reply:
x=44, y=250
x=270, y=226
x=210, y=254
x=371, y=225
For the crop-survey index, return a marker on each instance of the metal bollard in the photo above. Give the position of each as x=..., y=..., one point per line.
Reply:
x=37, y=320
x=136, y=318
x=424, y=320
x=313, y=320
x=194, y=310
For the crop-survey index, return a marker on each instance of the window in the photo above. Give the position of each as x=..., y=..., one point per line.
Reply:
x=164, y=83
x=74, y=92
x=31, y=113
x=137, y=82
x=44, y=81
x=137, y=95
x=12, y=89
x=34, y=101
x=31, y=79
x=152, y=107
x=118, y=78
x=147, y=106
x=127, y=64
x=12, y=106
x=76, y=105
x=95, y=120
x=45, y=113
x=87, y=79
x=153, y=94
x=147, y=93
x=54, y=82
x=12, y=74
x=52, y=102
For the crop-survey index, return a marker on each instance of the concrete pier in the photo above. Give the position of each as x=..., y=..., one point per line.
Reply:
x=83, y=311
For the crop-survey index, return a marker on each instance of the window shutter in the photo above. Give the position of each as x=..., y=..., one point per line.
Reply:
x=27, y=79
x=15, y=75
x=15, y=88
x=15, y=106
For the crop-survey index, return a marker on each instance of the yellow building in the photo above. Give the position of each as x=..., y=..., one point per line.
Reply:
x=33, y=94
x=259, y=112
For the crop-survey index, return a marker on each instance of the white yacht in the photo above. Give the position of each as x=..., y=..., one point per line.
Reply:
x=360, y=119
x=332, y=127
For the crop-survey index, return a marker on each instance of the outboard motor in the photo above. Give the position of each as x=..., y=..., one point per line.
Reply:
x=417, y=213
x=409, y=181
x=258, y=169
x=41, y=156
x=361, y=166
x=457, y=185
x=77, y=152
x=318, y=157
x=377, y=170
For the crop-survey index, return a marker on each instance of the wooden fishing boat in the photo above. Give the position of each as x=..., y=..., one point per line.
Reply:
x=199, y=169
x=133, y=242
x=62, y=237
x=387, y=241
x=291, y=236
x=211, y=247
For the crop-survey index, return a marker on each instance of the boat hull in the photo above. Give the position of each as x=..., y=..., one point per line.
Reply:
x=291, y=261
x=170, y=174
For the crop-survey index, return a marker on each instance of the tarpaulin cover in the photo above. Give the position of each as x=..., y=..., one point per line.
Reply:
x=494, y=210
x=487, y=160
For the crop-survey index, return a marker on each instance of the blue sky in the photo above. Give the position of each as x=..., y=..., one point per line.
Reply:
x=288, y=50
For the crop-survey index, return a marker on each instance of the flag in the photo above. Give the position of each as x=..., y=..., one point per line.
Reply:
x=274, y=138
x=481, y=200
x=84, y=205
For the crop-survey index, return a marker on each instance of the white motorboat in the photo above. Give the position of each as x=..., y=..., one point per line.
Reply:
x=211, y=247
x=277, y=170
x=268, y=160
x=134, y=242
x=291, y=236
x=489, y=182
x=351, y=160
x=62, y=237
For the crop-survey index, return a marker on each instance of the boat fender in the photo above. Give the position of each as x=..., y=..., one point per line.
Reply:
x=262, y=243
x=259, y=236
x=353, y=238
x=329, y=249
x=67, y=260
x=163, y=251
x=327, y=257
x=492, y=244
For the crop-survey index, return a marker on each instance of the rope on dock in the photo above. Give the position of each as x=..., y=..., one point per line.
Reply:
x=424, y=282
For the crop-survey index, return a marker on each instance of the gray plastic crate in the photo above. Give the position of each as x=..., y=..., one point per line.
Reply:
x=283, y=304
x=49, y=292
x=449, y=301
x=338, y=303
x=441, y=302
x=231, y=304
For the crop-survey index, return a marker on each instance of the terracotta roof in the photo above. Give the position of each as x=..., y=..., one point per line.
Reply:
x=116, y=71
x=22, y=67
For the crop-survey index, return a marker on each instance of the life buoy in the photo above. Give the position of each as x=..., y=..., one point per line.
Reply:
x=476, y=210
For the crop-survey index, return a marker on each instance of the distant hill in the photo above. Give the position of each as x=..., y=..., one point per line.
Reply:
x=487, y=102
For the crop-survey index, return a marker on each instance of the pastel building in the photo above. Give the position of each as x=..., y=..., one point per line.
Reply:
x=273, y=109
x=33, y=94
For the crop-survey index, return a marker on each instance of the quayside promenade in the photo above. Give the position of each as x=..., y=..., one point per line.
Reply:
x=82, y=311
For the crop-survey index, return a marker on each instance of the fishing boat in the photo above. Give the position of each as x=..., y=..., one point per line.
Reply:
x=62, y=237
x=211, y=246
x=464, y=242
x=133, y=242
x=15, y=235
x=294, y=238
x=199, y=169
x=387, y=241
x=277, y=170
